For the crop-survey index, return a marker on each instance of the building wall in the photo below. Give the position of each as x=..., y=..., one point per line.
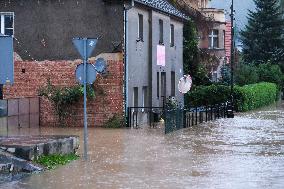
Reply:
x=31, y=75
x=44, y=28
x=142, y=68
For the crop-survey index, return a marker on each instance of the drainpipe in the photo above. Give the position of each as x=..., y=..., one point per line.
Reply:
x=125, y=9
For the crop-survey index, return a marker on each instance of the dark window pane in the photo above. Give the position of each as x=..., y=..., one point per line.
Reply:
x=135, y=96
x=140, y=26
x=163, y=84
x=173, y=84
x=8, y=21
x=158, y=85
x=161, y=28
x=172, y=35
x=215, y=32
x=215, y=42
x=8, y=31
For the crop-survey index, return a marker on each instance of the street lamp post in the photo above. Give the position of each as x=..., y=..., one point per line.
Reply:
x=230, y=113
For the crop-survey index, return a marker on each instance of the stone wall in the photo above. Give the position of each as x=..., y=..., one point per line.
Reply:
x=31, y=75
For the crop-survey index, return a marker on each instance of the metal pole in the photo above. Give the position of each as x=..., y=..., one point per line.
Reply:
x=232, y=49
x=85, y=102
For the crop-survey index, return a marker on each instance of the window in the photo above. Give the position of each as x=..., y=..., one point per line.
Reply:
x=161, y=30
x=173, y=84
x=214, y=39
x=140, y=27
x=163, y=84
x=144, y=96
x=224, y=38
x=135, y=96
x=172, y=33
x=7, y=23
x=158, y=85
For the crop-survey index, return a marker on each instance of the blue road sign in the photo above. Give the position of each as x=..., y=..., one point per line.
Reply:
x=6, y=60
x=100, y=65
x=79, y=44
x=91, y=74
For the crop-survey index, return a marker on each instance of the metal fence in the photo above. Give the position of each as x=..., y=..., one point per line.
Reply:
x=20, y=112
x=176, y=119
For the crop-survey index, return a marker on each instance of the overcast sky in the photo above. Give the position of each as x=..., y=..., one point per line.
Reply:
x=241, y=7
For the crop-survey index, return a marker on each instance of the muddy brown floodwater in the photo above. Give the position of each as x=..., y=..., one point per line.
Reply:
x=246, y=152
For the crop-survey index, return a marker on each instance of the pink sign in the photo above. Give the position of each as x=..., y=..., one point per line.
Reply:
x=161, y=55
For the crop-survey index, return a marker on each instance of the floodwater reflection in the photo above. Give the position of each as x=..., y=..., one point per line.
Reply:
x=244, y=152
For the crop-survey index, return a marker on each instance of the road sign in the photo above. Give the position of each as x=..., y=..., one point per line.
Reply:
x=100, y=65
x=6, y=60
x=184, y=84
x=79, y=44
x=91, y=74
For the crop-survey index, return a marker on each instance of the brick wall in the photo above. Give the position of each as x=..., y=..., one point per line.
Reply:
x=30, y=76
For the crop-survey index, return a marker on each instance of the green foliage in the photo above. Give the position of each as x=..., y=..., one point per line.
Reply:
x=246, y=74
x=64, y=97
x=52, y=161
x=207, y=95
x=115, y=121
x=246, y=98
x=249, y=74
x=263, y=36
x=226, y=74
x=192, y=55
x=254, y=96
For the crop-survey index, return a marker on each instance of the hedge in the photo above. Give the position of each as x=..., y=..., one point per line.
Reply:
x=246, y=98
x=254, y=96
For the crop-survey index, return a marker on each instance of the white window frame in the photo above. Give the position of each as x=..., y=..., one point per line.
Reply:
x=2, y=20
x=138, y=33
x=211, y=37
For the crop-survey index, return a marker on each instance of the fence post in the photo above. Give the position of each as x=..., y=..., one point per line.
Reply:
x=196, y=116
x=184, y=118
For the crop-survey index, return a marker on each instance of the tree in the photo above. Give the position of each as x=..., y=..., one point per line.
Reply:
x=262, y=37
x=192, y=56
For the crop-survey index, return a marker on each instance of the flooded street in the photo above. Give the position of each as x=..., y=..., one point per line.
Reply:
x=246, y=152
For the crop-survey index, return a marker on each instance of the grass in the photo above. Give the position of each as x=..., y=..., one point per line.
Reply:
x=54, y=160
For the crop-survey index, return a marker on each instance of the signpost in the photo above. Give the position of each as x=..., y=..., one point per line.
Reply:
x=86, y=73
x=6, y=62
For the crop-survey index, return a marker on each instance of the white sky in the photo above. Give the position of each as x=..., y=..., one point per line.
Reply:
x=241, y=7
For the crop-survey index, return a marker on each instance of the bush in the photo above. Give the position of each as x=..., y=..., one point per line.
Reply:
x=246, y=74
x=246, y=98
x=54, y=160
x=254, y=96
x=115, y=121
x=207, y=95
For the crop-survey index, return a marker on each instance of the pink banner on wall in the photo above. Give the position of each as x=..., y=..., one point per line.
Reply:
x=161, y=55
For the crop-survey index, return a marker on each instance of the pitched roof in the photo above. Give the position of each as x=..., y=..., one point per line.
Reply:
x=164, y=6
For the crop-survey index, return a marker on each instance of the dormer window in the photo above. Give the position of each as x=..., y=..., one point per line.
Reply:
x=7, y=23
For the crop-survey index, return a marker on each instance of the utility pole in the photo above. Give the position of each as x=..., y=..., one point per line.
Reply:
x=230, y=113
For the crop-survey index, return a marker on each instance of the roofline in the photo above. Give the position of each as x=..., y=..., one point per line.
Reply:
x=164, y=12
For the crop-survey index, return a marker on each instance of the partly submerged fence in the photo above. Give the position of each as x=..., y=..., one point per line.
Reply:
x=180, y=118
x=20, y=112
x=175, y=119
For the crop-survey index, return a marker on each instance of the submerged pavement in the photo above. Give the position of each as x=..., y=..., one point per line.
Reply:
x=244, y=152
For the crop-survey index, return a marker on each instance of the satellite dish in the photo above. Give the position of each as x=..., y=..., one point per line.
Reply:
x=100, y=65
x=185, y=84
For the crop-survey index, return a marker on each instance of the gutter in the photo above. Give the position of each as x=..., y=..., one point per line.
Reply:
x=125, y=19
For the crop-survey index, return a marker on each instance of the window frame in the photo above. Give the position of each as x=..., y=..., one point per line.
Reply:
x=172, y=35
x=2, y=22
x=213, y=36
x=161, y=32
x=140, y=32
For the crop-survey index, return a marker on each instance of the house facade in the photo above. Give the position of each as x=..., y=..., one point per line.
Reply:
x=148, y=35
x=155, y=53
